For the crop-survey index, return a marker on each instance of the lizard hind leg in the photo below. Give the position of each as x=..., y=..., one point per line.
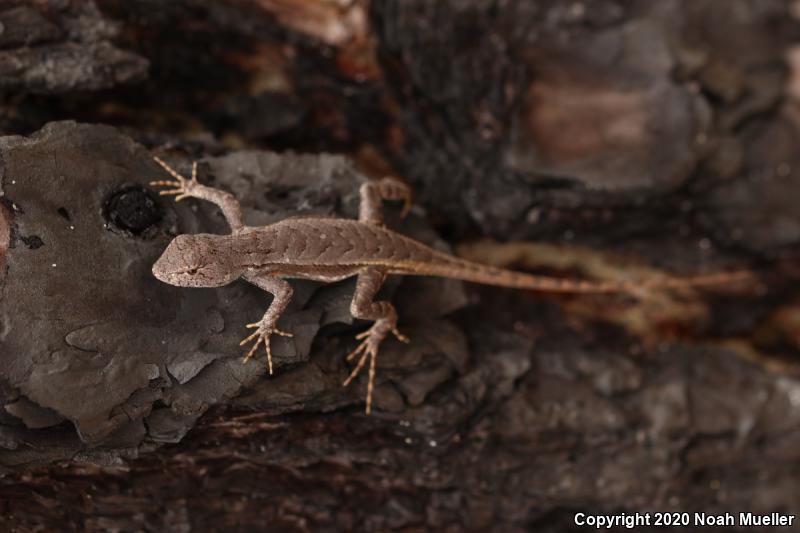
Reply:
x=372, y=192
x=364, y=307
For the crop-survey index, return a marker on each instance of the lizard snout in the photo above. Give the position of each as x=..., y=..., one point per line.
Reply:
x=160, y=271
x=179, y=262
x=195, y=261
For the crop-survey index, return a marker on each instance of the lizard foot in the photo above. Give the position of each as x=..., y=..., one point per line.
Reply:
x=394, y=189
x=368, y=349
x=262, y=334
x=182, y=187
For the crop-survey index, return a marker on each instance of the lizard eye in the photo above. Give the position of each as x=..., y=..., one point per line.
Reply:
x=192, y=271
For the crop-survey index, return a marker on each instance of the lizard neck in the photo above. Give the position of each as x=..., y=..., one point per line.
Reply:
x=255, y=248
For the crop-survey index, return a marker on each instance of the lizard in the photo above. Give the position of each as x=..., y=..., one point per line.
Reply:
x=331, y=249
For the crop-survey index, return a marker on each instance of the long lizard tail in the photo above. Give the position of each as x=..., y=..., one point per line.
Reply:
x=453, y=267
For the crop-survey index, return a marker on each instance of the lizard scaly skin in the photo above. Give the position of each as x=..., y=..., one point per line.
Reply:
x=330, y=249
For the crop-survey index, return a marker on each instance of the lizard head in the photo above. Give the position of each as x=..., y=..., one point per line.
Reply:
x=196, y=261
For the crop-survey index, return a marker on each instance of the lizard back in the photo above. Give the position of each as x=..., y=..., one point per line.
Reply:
x=338, y=247
x=330, y=242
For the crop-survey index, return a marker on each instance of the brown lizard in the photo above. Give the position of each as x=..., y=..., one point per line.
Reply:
x=331, y=249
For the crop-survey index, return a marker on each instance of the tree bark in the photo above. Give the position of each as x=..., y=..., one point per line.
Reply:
x=603, y=140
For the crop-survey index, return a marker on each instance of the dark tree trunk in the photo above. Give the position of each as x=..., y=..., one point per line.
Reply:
x=603, y=140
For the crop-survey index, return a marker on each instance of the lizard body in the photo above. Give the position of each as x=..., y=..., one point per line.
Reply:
x=331, y=249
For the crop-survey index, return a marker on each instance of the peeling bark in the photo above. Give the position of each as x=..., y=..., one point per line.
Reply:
x=606, y=139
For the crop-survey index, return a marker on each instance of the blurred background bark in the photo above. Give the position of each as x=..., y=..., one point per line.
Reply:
x=606, y=139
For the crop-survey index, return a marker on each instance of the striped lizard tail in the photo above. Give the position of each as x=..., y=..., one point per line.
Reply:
x=453, y=267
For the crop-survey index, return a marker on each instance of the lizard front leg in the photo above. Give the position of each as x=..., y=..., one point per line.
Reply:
x=282, y=293
x=373, y=192
x=185, y=188
x=363, y=306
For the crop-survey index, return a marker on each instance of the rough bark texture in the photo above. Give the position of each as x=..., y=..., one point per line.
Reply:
x=55, y=47
x=604, y=139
